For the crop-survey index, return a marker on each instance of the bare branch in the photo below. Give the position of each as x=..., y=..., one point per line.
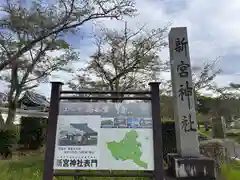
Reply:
x=125, y=59
x=207, y=75
x=30, y=87
x=42, y=22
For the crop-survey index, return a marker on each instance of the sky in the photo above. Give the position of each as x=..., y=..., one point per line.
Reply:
x=213, y=31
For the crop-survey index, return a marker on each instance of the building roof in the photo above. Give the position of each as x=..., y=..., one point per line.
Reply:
x=84, y=127
x=3, y=97
x=67, y=130
x=31, y=97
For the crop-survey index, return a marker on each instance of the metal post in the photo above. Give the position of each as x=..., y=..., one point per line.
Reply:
x=157, y=132
x=51, y=130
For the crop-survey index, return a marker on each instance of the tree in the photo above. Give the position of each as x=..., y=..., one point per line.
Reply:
x=26, y=73
x=231, y=94
x=30, y=30
x=207, y=74
x=225, y=104
x=233, y=89
x=204, y=104
x=124, y=60
x=203, y=79
x=25, y=25
x=34, y=68
x=166, y=107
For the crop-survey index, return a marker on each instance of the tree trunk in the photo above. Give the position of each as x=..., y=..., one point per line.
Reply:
x=6, y=147
x=12, y=108
x=116, y=89
x=195, y=103
x=1, y=122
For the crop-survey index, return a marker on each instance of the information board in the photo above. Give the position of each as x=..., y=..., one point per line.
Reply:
x=104, y=136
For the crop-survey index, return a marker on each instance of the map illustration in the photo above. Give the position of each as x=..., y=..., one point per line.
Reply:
x=128, y=149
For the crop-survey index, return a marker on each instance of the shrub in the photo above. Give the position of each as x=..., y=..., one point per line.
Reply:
x=8, y=141
x=32, y=132
x=214, y=149
x=218, y=128
x=169, y=138
x=202, y=137
x=233, y=133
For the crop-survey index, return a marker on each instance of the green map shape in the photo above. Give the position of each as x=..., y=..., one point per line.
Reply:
x=127, y=149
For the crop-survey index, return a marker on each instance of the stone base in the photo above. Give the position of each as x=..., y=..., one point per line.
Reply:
x=191, y=167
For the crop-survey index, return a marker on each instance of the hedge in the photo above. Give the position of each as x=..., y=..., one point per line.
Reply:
x=32, y=132
x=8, y=141
x=169, y=138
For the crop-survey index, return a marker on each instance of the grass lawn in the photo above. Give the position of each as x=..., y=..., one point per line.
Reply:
x=31, y=167
x=207, y=133
x=233, y=136
x=24, y=168
x=232, y=171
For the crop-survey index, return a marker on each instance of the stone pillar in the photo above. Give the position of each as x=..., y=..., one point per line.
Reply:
x=187, y=162
x=218, y=127
x=183, y=92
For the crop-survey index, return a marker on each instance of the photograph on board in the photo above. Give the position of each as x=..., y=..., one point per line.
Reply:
x=77, y=134
x=120, y=122
x=107, y=122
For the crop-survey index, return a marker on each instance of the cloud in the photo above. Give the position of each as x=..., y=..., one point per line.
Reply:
x=213, y=30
